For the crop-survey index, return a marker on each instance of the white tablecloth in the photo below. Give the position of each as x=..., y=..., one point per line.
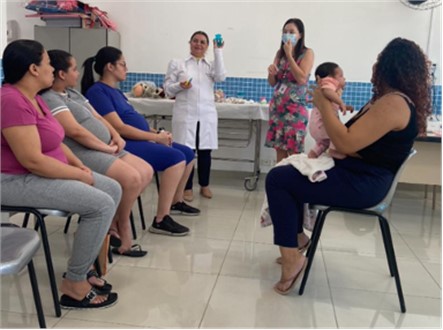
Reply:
x=163, y=107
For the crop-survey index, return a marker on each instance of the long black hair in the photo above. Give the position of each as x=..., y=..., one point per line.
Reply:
x=18, y=56
x=104, y=56
x=300, y=47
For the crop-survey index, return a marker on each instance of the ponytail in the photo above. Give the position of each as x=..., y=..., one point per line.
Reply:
x=88, y=75
x=104, y=56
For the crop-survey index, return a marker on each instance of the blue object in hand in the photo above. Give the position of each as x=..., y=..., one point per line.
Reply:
x=218, y=40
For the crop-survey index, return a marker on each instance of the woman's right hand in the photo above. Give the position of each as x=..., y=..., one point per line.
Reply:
x=164, y=137
x=186, y=84
x=272, y=70
x=111, y=148
x=86, y=175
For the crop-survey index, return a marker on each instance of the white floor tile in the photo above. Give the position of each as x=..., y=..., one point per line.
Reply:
x=363, y=309
x=154, y=298
x=222, y=274
x=252, y=303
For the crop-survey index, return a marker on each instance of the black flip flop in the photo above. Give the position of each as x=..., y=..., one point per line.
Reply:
x=135, y=251
x=101, y=289
x=68, y=302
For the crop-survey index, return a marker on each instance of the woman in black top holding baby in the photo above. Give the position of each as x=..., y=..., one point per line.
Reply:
x=376, y=141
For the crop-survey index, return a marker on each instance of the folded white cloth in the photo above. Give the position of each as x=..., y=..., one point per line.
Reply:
x=313, y=168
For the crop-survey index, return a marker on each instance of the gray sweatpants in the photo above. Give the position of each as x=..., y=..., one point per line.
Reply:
x=95, y=204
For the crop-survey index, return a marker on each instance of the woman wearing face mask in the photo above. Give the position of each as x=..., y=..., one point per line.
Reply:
x=194, y=120
x=289, y=75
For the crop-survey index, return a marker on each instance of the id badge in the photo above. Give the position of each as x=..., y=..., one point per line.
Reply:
x=282, y=89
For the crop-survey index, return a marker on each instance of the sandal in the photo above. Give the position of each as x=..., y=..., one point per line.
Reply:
x=101, y=289
x=68, y=302
x=135, y=251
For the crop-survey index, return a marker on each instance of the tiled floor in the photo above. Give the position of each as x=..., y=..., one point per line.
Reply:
x=221, y=276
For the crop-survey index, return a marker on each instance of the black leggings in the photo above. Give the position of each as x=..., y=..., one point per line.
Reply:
x=203, y=164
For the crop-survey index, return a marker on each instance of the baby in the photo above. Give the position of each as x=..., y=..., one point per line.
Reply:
x=329, y=76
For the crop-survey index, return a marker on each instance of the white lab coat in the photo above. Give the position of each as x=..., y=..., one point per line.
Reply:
x=197, y=103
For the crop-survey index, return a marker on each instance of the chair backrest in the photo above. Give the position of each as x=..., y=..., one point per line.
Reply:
x=384, y=204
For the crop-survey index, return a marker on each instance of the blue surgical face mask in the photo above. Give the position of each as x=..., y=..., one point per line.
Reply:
x=289, y=36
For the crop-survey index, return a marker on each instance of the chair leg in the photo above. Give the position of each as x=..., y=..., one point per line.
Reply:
x=110, y=258
x=131, y=218
x=36, y=294
x=41, y=223
x=97, y=267
x=140, y=209
x=68, y=222
x=385, y=243
x=316, y=232
x=393, y=262
x=25, y=220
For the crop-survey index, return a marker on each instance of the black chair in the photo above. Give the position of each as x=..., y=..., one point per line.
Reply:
x=18, y=247
x=376, y=210
x=140, y=209
x=131, y=216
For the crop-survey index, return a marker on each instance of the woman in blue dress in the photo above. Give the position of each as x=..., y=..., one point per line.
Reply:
x=174, y=160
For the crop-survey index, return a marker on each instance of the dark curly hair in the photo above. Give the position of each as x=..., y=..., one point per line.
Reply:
x=403, y=66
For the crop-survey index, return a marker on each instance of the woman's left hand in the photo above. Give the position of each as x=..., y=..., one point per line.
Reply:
x=216, y=45
x=170, y=138
x=319, y=99
x=119, y=142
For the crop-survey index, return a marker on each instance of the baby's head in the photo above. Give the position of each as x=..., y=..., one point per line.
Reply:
x=332, y=70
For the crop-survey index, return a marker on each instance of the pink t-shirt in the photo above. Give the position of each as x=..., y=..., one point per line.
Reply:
x=17, y=110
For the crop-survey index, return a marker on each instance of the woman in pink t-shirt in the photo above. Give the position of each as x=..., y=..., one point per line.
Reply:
x=38, y=170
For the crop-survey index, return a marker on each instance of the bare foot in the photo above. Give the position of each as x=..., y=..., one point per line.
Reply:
x=78, y=290
x=291, y=272
x=96, y=281
x=125, y=236
x=302, y=240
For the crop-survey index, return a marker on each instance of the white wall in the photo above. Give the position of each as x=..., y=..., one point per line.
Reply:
x=349, y=32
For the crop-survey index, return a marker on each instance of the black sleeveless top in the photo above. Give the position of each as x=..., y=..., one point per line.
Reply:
x=391, y=150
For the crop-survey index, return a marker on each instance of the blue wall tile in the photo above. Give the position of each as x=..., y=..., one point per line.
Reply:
x=355, y=93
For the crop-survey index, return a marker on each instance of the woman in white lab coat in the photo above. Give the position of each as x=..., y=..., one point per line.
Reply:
x=194, y=118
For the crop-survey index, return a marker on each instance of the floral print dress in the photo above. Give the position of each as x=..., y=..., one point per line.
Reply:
x=288, y=117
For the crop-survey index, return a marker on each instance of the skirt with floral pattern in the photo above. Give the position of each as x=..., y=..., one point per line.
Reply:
x=288, y=119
